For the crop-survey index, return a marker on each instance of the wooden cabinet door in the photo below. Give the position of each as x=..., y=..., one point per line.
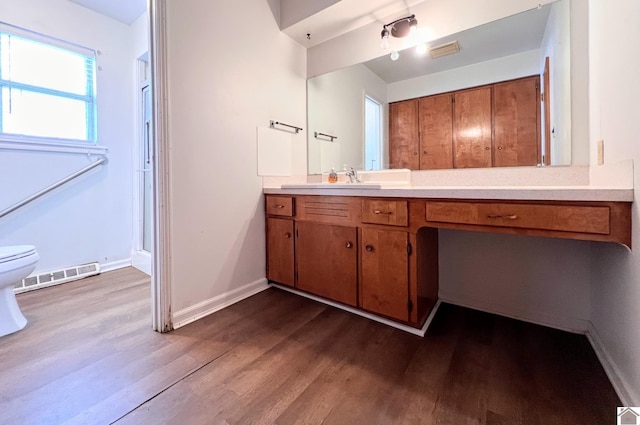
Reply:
x=436, y=132
x=326, y=257
x=472, y=128
x=516, y=108
x=280, y=251
x=403, y=135
x=384, y=284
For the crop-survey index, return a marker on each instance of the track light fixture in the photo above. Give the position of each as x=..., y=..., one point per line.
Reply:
x=399, y=28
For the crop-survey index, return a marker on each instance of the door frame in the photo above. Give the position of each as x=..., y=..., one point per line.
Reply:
x=141, y=258
x=161, y=238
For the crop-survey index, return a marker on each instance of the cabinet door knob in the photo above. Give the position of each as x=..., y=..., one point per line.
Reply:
x=369, y=248
x=500, y=148
x=287, y=235
x=415, y=153
x=349, y=245
x=487, y=148
x=424, y=152
x=279, y=206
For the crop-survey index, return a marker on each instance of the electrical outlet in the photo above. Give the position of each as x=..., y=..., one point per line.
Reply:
x=600, y=152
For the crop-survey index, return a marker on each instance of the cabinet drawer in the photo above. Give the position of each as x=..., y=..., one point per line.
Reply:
x=280, y=205
x=567, y=218
x=379, y=211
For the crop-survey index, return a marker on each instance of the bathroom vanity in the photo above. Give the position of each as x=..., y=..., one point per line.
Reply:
x=376, y=251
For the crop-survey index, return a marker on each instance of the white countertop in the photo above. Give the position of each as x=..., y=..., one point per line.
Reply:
x=542, y=193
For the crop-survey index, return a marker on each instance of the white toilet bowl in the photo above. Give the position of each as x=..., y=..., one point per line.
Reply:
x=16, y=263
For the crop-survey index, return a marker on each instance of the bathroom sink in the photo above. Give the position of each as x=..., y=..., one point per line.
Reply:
x=333, y=186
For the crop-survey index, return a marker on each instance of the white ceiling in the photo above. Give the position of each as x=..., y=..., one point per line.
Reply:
x=126, y=11
x=508, y=36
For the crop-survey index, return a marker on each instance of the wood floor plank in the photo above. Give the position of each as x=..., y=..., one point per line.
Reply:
x=89, y=356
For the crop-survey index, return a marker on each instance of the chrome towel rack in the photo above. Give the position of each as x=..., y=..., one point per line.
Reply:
x=273, y=123
x=321, y=136
x=52, y=187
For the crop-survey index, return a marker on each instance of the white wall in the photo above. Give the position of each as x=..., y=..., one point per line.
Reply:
x=556, y=46
x=614, y=93
x=506, y=68
x=580, y=95
x=89, y=219
x=540, y=280
x=336, y=106
x=140, y=37
x=223, y=83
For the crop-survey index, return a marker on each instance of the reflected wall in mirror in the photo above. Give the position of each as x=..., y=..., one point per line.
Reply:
x=339, y=102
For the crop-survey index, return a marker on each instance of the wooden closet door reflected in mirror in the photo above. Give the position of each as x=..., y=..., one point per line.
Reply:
x=472, y=128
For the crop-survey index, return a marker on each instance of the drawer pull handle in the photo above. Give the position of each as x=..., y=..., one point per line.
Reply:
x=508, y=216
x=287, y=235
x=349, y=244
x=382, y=212
x=369, y=248
x=279, y=206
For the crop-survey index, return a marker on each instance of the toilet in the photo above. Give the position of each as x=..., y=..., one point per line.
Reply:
x=16, y=263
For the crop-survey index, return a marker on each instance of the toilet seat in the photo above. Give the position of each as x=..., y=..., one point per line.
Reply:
x=11, y=253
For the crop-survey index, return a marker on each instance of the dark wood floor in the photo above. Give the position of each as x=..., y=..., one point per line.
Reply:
x=88, y=355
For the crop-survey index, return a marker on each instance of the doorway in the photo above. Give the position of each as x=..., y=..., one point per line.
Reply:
x=372, y=134
x=142, y=253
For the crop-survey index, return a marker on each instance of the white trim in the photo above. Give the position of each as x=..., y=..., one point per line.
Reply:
x=46, y=39
x=207, y=307
x=409, y=329
x=114, y=265
x=161, y=237
x=563, y=323
x=20, y=144
x=621, y=385
x=141, y=260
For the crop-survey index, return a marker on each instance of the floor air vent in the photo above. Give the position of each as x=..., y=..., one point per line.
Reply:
x=56, y=277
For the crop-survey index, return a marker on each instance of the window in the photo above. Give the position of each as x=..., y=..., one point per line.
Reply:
x=48, y=88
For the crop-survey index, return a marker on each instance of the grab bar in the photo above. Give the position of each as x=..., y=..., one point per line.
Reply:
x=52, y=187
x=318, y=135
x=273, y=123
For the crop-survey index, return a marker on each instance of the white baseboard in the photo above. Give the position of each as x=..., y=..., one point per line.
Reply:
x=564, y=323
x=409, y=329
x=115, y=265
x=619, y=382
x=141, y=260
x=207, y=307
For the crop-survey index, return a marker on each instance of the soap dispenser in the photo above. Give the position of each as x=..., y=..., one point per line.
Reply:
x=333, y=176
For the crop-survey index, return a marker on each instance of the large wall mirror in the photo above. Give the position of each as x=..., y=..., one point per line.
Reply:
x=348, y=109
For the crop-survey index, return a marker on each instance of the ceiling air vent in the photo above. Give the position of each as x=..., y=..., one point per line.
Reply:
x=444, y=49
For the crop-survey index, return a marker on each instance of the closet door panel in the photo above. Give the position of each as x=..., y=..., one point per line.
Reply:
x=472, y=128
x=516, y=106
x=436, y=132
x=403, y=135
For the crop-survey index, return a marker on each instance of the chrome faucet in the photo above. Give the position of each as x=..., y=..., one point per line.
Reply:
x=352, y=174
